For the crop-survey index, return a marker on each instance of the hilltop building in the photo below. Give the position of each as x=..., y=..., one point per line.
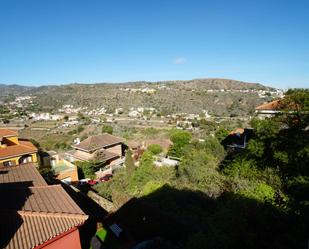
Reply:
x=15, y=151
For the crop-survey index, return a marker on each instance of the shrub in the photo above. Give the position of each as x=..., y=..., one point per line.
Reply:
x=107, y=129
x=155, y=148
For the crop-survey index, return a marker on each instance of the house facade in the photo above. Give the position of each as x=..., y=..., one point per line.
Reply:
x=105, y=147
x=15, y=151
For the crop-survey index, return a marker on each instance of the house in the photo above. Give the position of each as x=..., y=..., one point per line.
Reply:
x=34, y=214
x=238, y=138
x=138, y=147
x=268, y=109
x=167, y=162
x=105, y=147
x=15, y=151
x=134, y=114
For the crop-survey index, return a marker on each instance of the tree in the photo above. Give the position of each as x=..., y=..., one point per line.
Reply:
x=129, y=163
x=221, y=134
x=146, y=159
x=175, y=150
x=107, y=129
x=155, y=148
x=80, y=116
x=89, y=168
x=180, y=139
x=80, y=128
x=296, y=108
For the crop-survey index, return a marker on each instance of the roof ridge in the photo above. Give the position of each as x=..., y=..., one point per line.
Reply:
x=47, y=186
x=52, y=214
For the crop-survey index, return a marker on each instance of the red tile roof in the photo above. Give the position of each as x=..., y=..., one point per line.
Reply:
x=237, y=131
x=50, y=199
x=19, y=149
x=97, y=142
x=32, y=212
x=24, y=173
x=273, y=105
x=7, y=133
x=33, y=229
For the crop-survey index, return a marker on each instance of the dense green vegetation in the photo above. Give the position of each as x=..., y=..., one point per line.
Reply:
x=107, y=129
x=252, y=198
x=87, y=169
x=155, y=149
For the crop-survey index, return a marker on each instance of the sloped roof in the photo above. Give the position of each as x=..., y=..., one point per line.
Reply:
x=96, y=142
x=24, y=147
x=7, y=133
x=50, y=199
x=32, y=212
x=33, y=229
x=237, y=131
x=273, y=105
x=24, y=173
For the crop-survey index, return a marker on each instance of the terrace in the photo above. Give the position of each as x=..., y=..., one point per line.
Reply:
x=65, y=170
x=61, y=167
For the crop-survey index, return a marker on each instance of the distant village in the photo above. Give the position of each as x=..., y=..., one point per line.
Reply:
x=22, y=109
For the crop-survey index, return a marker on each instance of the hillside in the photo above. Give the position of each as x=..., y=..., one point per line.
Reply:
x=218, y=96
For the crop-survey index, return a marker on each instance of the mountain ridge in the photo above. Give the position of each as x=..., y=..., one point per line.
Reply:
x=202, y=80
x=219, y=96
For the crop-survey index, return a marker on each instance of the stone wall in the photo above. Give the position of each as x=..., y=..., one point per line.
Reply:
x=104, y=203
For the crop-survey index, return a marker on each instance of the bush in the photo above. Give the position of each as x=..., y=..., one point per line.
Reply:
x=261, y=192
x=129, y=163
x=107, y=129
x=80, y=128
x=155, y=148
x=221, y=134
x=180, y=137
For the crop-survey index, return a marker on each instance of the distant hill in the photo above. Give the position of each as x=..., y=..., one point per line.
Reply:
x=6, y=90
x=219, y=96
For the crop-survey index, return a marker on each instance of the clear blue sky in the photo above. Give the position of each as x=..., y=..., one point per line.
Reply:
x=63, y=41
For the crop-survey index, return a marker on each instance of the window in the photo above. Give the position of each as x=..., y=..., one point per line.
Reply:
x=7, y=163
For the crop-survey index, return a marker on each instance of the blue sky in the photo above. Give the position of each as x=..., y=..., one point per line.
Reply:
x=63, y=41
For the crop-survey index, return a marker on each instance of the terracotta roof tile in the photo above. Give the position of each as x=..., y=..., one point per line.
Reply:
x=23, y=148
x=33, y=212
x=7, y=133
x=25, y=173
x=96, y=142
x=31, y=230
x=237, y=131
x=45, y=199
x=273, y=105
